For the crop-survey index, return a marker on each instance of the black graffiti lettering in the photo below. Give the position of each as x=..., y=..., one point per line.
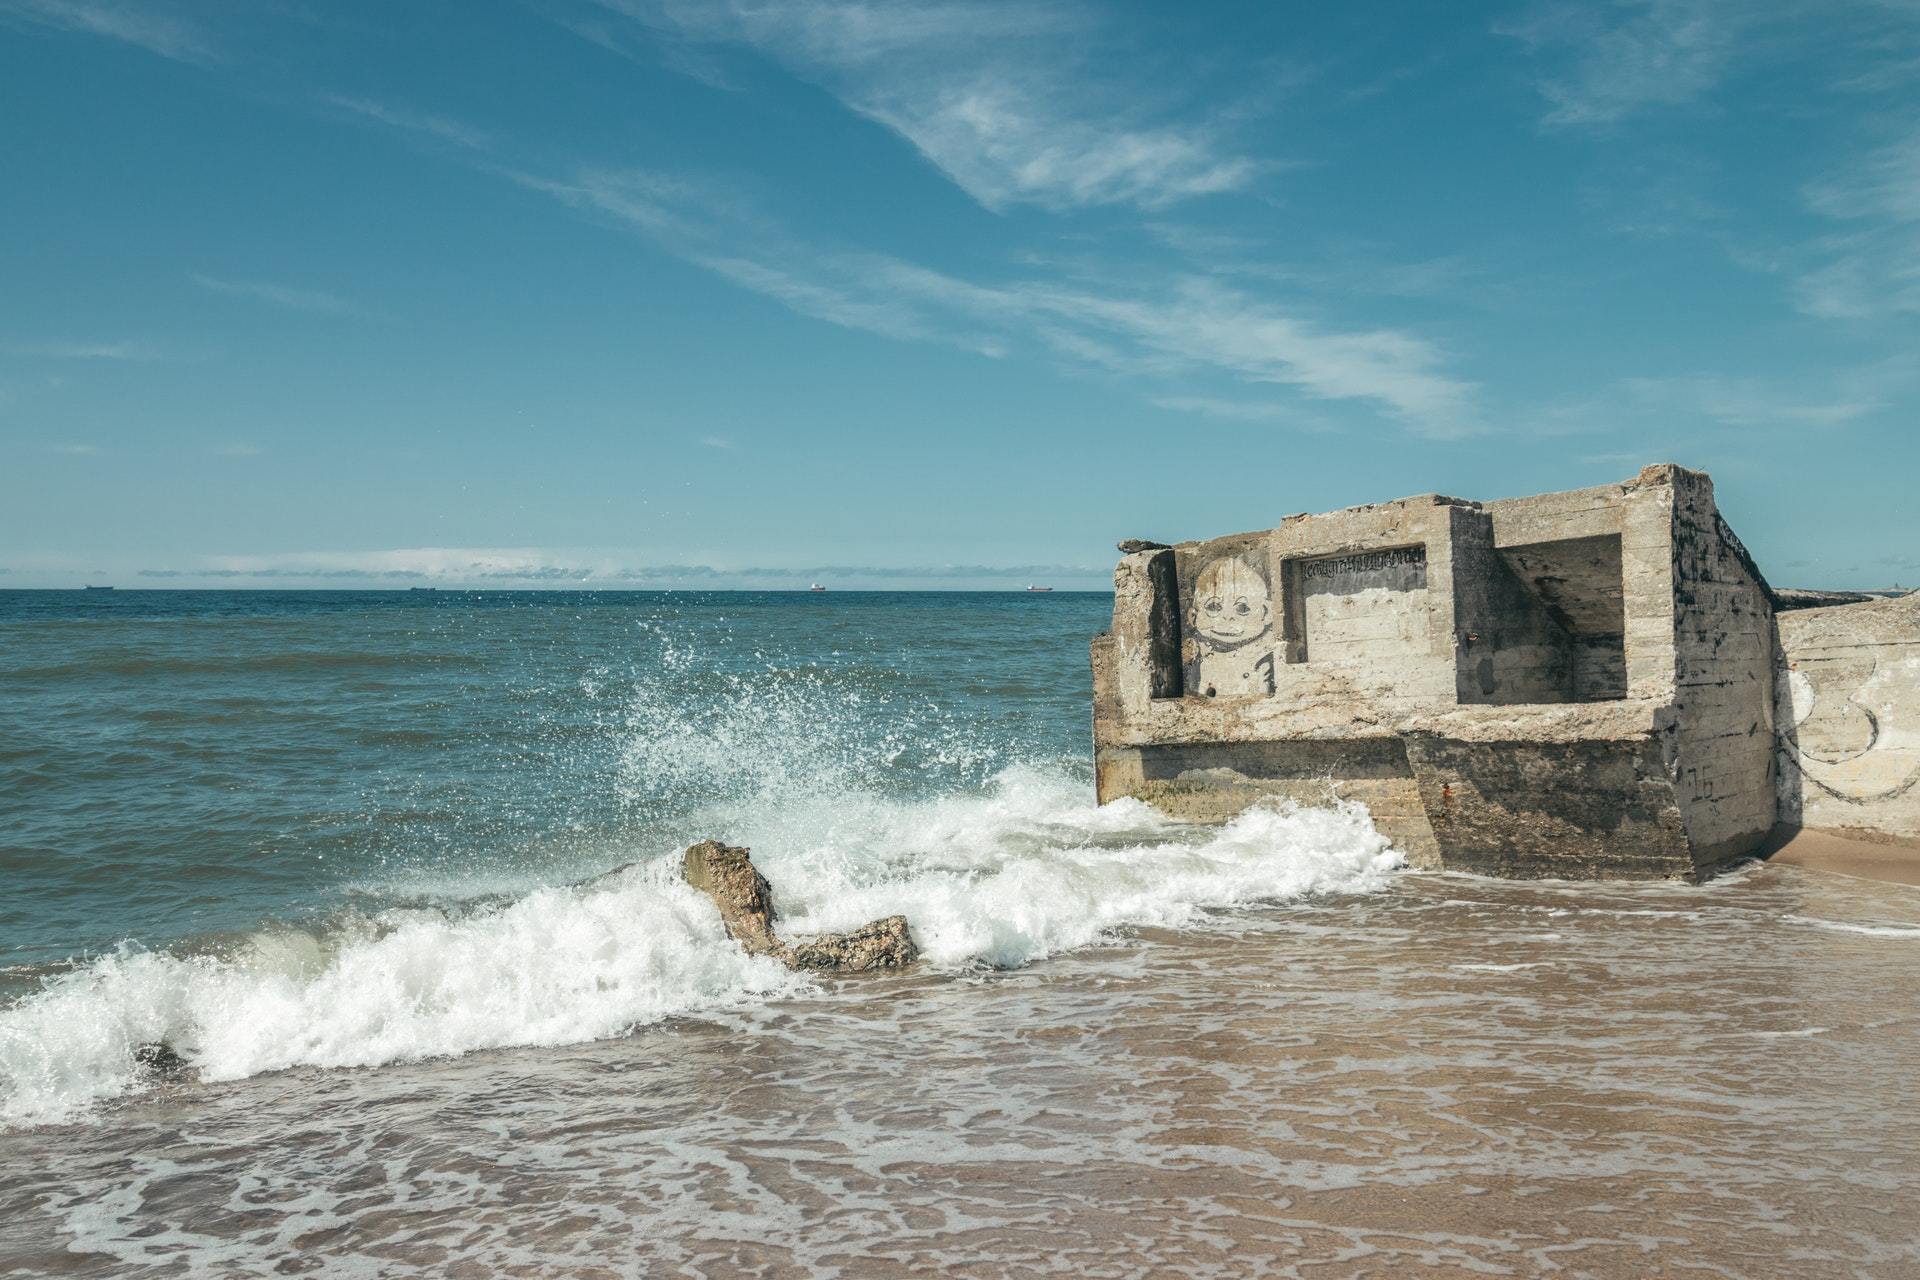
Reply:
x=1368, y=562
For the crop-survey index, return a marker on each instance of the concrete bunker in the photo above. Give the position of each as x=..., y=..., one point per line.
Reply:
x=1574, y=684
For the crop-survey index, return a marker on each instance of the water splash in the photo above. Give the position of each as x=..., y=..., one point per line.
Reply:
x=1025, y=868
x=867, y=781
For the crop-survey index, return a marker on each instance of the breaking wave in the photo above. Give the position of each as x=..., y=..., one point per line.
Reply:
x=1022, y=868
x=865, y=787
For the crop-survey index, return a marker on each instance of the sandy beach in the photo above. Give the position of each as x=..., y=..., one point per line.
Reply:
x=1450, y=1078
x=1862, y=855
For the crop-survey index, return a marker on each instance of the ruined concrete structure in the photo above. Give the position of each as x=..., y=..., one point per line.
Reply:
x=1590, y=684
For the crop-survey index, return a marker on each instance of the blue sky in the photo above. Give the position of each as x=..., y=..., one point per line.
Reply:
x=651, y=293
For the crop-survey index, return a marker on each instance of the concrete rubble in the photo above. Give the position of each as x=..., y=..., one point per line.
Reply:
x=1594, y=684
x=726, y=874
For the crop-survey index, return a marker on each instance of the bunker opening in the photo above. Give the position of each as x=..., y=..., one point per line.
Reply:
x=1576, y=585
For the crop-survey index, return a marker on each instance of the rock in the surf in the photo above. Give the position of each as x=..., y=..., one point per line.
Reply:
x=726, y=874
x=878, y=944
x=160, y=1058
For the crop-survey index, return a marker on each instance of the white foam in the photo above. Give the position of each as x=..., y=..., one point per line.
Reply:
x=1848, y=926
x=557, y=966
x=1023, y=868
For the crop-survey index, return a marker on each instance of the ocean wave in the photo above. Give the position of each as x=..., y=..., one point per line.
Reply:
x=1018, y=869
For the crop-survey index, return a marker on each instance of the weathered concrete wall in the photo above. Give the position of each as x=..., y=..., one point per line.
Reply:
x=1575, y=684
x=1848, y=717
x=1592, y=810
x=1723, y=681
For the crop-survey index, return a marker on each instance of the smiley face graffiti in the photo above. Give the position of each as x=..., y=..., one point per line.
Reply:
x=1232, y=605
x=1230, y=622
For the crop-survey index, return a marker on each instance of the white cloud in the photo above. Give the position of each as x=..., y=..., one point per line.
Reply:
x=76, y=449
x=1279, y=415
x=1885, y=185
x=1869, y=275
x=585, y=568
x=81, y=350
x=1661, y=407
x=278, y=295
x=719, y=442
x=1158, y=326
x=1748, y=402
x=999, y=137
x=1633, y=55
x=440, y=127
x=1873, y=269
x=134, y=24
x=237, y=449
x=998, y=96
x=1625, y=57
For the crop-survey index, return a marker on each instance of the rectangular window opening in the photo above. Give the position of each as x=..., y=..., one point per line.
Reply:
x=1361, y=605
x=1558, y=631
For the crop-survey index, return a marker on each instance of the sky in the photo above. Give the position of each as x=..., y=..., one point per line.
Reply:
x=948, y=294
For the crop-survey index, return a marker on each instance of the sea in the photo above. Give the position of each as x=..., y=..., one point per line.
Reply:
x=393, y=878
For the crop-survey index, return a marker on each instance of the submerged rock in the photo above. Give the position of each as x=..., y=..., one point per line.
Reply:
x=726, y=874
x=160, y=1058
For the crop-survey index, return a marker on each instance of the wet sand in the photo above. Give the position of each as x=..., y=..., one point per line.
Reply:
x=1453, y=1077
x=1888, y=859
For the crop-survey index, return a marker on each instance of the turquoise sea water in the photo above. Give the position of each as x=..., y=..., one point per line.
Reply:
x=182, y=763
x=360, y=828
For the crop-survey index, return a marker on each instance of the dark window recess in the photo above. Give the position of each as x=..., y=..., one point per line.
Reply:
x=1556, y=625
x=1163, y=628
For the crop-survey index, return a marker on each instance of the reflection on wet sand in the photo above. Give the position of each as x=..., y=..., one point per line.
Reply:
x=1451, y=1077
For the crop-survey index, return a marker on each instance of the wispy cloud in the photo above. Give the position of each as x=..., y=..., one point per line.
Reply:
x=136, y=24
x=591, y=568
x=279, y=295
x=1343, y=269
x=438, y=127
x=719, y=442
x=1609, y=61
x=76, y=449
x=81, y=350
x=648, y=45
x=1279, y=415
x=237, y=449
x=1145, y=326
x=1873, y=268
x=1003, y=98
x=1885, y=185
x=1662, y=406
x=1747, y=402
x=1625, y=57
